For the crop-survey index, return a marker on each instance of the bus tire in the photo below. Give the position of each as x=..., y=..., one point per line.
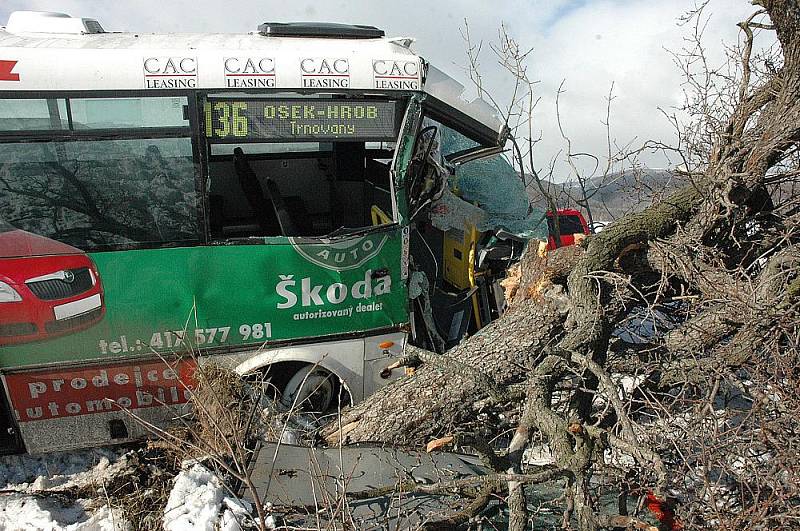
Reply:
x=306, y=387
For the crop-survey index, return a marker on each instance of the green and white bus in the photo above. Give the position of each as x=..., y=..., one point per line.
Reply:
x=266, y=200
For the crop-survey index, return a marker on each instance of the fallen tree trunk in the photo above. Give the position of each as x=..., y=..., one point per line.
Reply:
x=434, y=401
x=444, y=392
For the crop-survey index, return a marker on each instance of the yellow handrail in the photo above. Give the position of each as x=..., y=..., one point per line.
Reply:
x=379, y=217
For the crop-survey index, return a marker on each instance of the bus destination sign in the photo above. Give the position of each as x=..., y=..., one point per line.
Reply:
x=259, y=120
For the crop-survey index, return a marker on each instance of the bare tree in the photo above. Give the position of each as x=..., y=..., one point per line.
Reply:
x=658, y=361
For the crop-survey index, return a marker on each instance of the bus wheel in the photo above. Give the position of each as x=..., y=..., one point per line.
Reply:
x=313, y=389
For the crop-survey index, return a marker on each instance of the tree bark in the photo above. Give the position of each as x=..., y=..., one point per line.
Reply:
x=438, y=397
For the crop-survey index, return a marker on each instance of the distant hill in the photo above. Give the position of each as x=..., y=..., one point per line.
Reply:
x=611, y=196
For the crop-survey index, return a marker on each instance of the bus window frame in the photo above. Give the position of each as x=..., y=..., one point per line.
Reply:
x=463, y=128
x=455, y=121
x=189, y=132
x=404, y=99
x=484, y=149
x=458, y=121
x=200, y=153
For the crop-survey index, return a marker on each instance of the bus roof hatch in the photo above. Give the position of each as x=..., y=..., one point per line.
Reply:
x=330, y=30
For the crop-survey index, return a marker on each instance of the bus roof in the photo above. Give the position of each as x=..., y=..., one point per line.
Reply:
x=55, y=52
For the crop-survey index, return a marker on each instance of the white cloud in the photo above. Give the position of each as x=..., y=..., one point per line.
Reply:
x=624, y=43
x=587, y=43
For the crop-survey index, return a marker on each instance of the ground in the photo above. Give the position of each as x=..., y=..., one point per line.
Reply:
x=75, y=491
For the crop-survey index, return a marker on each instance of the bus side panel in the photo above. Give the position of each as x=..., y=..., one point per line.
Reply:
x=216, y=297
x=63, y=408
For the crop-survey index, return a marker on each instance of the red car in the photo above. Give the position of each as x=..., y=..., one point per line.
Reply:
x=571, y=222
x=47, y=288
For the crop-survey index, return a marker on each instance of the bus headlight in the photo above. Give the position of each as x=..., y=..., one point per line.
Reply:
x=8, y=294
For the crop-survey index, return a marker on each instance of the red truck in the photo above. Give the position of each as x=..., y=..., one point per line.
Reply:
x=571, y=222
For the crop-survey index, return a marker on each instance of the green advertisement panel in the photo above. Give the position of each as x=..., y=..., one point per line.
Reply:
x=124, y=303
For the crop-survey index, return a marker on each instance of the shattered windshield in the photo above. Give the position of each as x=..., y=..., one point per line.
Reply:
x=492, y=186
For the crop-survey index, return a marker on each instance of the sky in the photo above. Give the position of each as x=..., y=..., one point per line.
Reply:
x=587, y=45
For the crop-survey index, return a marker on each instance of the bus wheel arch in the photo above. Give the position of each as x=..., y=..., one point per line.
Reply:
x=319, y=386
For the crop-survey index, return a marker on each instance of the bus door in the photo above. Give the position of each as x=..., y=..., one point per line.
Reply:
x=455, y=297
x=302, y=213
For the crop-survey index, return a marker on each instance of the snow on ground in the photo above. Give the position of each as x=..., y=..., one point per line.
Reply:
x=59, y=470
x=31, y=485
x=27, y=512
x=198, y=501
x=37, y=493
x=195, y=500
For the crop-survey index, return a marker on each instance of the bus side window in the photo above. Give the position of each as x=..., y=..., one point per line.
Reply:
x=101, y=194
x=99, y=189
x=33, y=114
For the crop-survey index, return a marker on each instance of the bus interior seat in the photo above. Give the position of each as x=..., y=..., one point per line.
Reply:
x=264, y=209
x=287, y=225
x=299, y=215
x=347, y=201
x=216, y=208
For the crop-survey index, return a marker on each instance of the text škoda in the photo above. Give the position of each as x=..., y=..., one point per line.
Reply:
x=311, y=294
